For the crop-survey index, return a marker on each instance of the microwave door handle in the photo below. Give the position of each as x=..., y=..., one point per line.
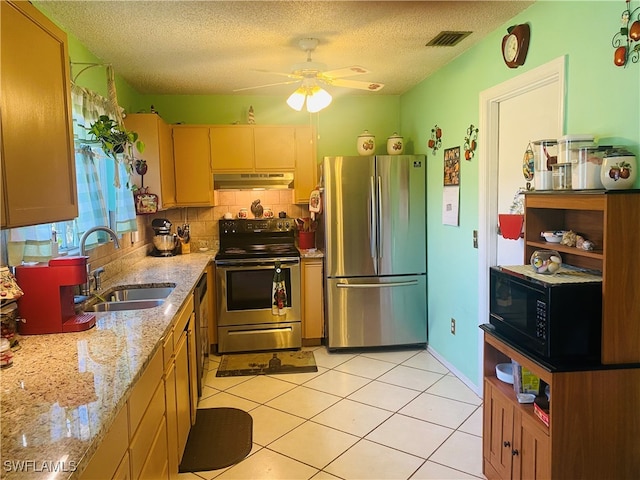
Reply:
x=373, y=220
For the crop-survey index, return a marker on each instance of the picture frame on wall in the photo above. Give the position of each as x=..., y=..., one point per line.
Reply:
x=452, y=166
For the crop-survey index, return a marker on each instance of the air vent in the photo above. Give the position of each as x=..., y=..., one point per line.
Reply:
x=447, y=39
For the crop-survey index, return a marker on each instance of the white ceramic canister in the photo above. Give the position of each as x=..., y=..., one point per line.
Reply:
x=366, y=143
x=619, y=169
x=395, y=144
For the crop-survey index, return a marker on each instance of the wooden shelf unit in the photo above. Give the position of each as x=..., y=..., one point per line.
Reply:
x=610, y=219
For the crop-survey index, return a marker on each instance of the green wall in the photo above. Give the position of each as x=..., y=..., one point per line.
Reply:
x=601, y=99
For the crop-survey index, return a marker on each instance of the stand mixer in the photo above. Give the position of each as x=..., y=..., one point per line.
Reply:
x=164, y=241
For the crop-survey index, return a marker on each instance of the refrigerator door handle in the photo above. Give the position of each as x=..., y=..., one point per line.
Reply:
x=379, y=215
x=377, y=285
x=373, y=220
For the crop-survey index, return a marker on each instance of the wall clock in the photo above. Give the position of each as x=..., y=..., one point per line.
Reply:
x=515, y=45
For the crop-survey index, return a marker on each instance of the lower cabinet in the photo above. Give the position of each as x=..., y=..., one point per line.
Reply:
x=594, y=421
x=312, y=301
x=515, y=447
x=148, y=436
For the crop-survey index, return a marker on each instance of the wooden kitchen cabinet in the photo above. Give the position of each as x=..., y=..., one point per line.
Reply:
x=306, y=172
x=194, y=177
x=594, y=421
x=312, y=301
x=111, y=458
x=158, y=153
x=275, y=148
x=37, y=157
x=250, y=148
x=193, y=368
x=211, y=298
x=232, y=148
x=610, y=220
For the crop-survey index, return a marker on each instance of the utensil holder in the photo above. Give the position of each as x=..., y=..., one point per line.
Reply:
x=306, y=240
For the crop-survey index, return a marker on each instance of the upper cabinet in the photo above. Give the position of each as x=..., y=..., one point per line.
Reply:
x=306, y=172
x=194, y=178
x=38, y=160
x=250, y=148
x=156, y=135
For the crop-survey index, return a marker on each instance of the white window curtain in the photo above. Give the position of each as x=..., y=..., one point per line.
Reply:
x=97, y=193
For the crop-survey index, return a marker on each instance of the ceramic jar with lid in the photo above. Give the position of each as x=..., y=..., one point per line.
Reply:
x=619, y=169
x=366, y=143
x=395, y=144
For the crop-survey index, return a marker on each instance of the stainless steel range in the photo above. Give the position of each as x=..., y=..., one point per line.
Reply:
x=250, y=251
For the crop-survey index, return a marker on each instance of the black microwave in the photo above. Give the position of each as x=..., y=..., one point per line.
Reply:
x=557, y=317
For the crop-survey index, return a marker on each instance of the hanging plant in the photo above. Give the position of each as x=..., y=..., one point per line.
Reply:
x=116, y=140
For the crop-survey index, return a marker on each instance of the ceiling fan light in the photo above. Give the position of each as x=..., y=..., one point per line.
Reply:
x=317, y=99
x=297, y=98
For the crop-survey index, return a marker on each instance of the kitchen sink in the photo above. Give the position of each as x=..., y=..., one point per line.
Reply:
x=133, y=297
x=121, y=294
x=127, y=305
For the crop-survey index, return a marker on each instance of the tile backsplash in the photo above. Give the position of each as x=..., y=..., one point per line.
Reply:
x=203, y=221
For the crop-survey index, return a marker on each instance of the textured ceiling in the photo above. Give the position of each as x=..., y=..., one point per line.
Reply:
x=214, y=47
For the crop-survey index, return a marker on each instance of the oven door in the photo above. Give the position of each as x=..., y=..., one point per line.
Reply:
x=245, y=291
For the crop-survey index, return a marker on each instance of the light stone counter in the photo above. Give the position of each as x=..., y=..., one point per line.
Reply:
x=63, y=391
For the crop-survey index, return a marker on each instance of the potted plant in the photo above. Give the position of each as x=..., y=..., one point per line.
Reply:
x=115, y=140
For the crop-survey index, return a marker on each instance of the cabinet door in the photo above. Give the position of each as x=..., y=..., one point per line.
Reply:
x=155, y=466
x=38, y=159
x=193, y=368
x=158, y=152
x=123, y=472
x=313, y=309
x=183, y=403
x=306, y=173
x=275, y=148
x=232, y=148
x=533, y=458
x=172, y=420
x=498, y=431
x=194, y=180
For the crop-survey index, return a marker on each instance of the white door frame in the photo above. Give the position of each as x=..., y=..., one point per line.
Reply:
x=551, y=72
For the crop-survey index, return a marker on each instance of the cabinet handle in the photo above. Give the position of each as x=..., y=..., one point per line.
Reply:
x=506, y=444
x=514, y=452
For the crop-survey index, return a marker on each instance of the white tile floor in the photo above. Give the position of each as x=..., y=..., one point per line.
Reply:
x=372, y=415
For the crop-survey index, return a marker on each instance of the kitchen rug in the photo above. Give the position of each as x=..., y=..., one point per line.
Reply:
x=268, y=363
x=219, y=438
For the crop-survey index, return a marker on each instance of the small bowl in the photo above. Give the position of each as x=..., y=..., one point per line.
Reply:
x=553, y=236
x=504, y=372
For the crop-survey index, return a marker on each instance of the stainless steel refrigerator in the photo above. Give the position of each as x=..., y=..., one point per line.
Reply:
x=374, y=237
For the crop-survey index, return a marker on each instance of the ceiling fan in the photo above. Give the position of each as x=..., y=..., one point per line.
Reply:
x=311, y=74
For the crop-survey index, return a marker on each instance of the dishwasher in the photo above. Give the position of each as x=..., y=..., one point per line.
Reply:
x=202, y=326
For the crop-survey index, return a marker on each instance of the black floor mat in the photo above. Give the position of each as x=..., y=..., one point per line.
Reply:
x=219, y=438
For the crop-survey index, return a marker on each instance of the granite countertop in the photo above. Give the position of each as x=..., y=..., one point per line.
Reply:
x=63, y=391
x=311, y=253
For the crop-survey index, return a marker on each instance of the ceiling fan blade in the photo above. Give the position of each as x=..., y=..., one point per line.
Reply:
x=267, y=85
x=345, y=72
x=282, y=74
x=370, y=86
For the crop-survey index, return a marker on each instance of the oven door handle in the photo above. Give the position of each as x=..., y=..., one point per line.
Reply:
x=246, y=264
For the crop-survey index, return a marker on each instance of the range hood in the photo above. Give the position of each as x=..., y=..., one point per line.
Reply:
x=252, y=181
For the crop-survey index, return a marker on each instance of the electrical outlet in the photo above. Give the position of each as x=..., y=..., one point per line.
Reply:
x=453, y=326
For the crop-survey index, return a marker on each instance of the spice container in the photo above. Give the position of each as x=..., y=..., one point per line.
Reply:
x=545, y=154
x=561, y=175
x=568, y=146
x=6, y=355
x=585, y=172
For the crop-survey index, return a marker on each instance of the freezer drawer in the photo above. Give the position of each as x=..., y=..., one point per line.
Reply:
x=376, y=311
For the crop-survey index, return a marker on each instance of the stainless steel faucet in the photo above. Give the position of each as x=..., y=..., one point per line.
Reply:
x=86, y=288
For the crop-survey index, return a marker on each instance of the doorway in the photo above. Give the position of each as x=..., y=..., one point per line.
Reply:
x=503, y=110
